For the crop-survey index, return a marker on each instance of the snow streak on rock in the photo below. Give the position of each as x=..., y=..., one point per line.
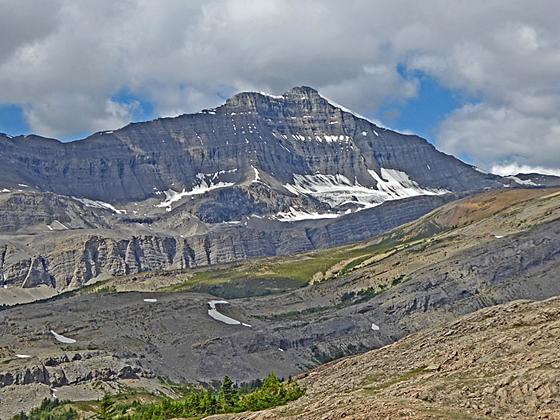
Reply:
x=338, y=191
x=203, y=184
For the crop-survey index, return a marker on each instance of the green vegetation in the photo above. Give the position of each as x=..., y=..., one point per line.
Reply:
x=275, y=275
x=105, y=289
x=195, y=404
x=49, y=410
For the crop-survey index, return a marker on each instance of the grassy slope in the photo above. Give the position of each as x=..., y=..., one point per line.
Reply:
x=474, y=218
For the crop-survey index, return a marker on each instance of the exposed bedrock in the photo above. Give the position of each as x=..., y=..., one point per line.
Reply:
x=68, y=259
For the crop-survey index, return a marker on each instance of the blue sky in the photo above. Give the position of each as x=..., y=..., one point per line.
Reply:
x=479, y=79
x=12, y=120
x=420, y=115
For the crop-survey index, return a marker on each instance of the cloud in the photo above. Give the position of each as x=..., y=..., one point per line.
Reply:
x=495, y=137
x=71, y=115
x=514, y=169
x=182, y=56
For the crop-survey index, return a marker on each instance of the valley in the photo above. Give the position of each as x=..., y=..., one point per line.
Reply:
x=298, y=311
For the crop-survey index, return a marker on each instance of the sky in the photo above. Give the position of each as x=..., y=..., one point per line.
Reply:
x=480, y=79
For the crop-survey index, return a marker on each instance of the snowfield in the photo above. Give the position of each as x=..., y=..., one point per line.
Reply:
x=337, y=190
x=213, y=312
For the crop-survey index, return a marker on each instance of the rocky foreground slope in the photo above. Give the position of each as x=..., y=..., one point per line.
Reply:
x=500, y=362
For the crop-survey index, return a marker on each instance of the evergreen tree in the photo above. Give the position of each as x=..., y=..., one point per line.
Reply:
x=228, y=393
x=106, y=409
x=208, y=403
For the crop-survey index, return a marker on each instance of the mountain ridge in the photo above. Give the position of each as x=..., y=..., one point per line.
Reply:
x=261, y=175
x=210, y=142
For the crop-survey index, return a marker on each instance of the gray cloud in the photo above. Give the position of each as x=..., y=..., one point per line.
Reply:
x=62, y=61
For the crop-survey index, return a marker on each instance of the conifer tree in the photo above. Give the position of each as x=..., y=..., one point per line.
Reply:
x=106, y=409
x=228, y=393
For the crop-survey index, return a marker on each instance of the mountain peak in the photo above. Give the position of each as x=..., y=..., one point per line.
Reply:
x=299, y=100
x=303, y=90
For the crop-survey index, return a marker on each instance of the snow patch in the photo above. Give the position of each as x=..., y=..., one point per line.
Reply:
x=333, y=103
x=99, y=205
x=23, y=356
x=58, y=226
x=213, y=312
x=271, y=96
x=204, y=183
x=294, y=215
x=482, y=171
x=63, y=339
x=498, y=236
x=397, y=184
x=5, y=190
x=374, y=327
x=150, y=300
x=337, y=190
x=257, y=175
x=523, y=182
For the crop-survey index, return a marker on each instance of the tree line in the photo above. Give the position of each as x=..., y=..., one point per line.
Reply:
x=195, y=404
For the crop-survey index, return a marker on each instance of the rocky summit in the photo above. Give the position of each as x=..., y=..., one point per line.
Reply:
x=255, y=147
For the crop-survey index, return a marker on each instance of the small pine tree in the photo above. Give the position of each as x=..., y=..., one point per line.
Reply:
x=106, y=409
x=271, y=383
x=228, y=394
x=208, y=404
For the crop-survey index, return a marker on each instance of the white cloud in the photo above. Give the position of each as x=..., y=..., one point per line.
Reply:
x=181, y=55
x=499, y=136
x=70, y=115
x=514, y=169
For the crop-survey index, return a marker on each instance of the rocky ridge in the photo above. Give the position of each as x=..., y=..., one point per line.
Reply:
x=499, y=362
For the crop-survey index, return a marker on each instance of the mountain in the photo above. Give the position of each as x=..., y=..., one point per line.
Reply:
x=216, y=186
x=260, y=175
x=275, y=153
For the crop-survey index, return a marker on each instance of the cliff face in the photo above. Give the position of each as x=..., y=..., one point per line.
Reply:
x=252, y=137
x=69, y=258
